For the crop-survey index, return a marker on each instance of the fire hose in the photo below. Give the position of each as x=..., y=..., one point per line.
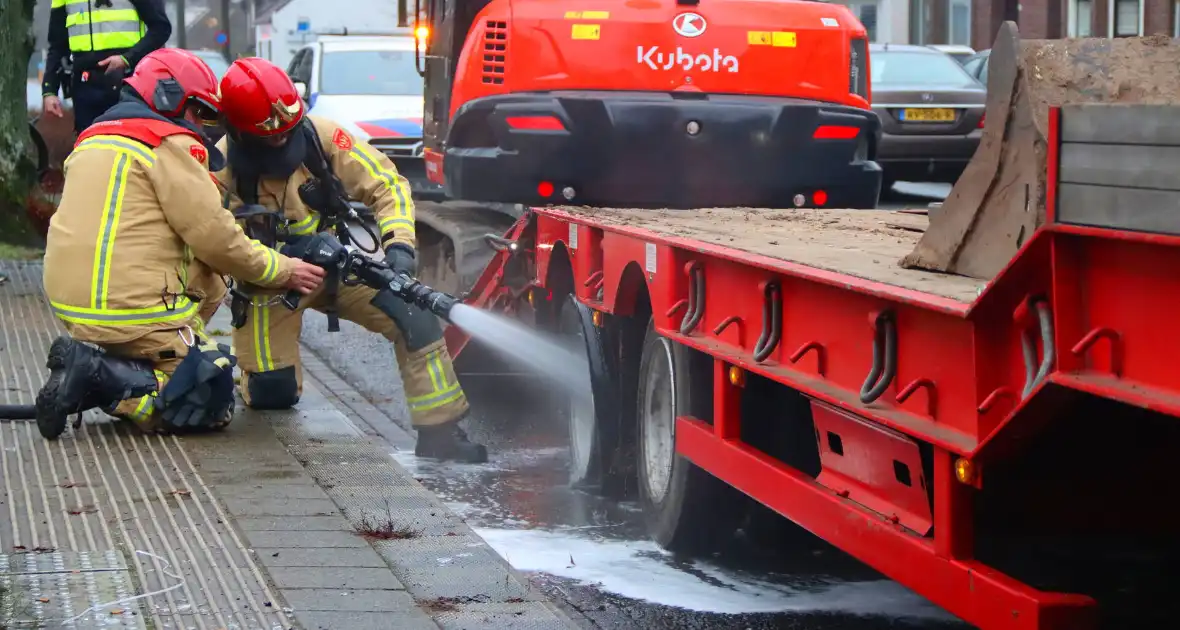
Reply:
x=355, y=269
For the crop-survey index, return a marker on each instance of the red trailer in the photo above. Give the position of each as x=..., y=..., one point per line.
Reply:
x=946, y=431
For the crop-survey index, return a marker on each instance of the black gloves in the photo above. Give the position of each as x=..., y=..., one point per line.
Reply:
x=401, y=258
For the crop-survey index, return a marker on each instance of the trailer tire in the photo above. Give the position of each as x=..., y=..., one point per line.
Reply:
x=685, y=507
x=587, y=418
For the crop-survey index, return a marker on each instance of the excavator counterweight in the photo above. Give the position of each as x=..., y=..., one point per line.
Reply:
x=999, y=201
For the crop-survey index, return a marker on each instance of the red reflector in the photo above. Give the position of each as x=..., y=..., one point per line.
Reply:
x=820, y=197
x=535, y=123
x=545, y=189
x=835, y=132
x=981, y=117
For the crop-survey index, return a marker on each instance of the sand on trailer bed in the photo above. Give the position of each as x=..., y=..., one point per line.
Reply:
x=863, y=243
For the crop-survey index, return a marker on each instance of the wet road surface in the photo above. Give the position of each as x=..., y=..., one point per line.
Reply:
x=590, y=554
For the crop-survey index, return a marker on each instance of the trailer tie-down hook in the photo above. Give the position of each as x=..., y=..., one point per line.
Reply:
x=884, y=358
x=501, y=244
x=696, y=297
x=772, y=321
x=1035, y=374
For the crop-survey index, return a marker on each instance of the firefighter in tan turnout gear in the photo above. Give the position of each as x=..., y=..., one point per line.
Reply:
x=284, y=161
x=132, y=257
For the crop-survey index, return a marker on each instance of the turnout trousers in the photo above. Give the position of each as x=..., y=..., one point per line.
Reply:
x=164, y=350
x=267, y=347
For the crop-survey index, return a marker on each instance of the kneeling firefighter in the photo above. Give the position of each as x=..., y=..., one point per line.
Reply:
x=133, y=257
x=305, y=168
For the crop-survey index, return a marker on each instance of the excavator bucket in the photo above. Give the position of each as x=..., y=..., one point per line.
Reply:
x=999, y=201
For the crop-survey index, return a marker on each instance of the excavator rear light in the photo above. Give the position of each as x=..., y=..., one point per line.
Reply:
x=835, y=132
x=535, y=123
x=545, y=189
x=820, y=198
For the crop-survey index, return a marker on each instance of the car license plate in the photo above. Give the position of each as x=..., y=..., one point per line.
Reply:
x=928, y=115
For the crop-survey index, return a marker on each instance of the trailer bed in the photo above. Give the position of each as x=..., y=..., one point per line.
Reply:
x=863, y=243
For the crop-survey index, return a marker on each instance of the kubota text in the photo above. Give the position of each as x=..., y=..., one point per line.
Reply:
x=659, y=60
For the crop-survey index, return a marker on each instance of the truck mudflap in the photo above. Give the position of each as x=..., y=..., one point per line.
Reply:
x=660, y=149
x=999, y=201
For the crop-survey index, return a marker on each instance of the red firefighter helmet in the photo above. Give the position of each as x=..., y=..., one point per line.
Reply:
x=259, y=99
x=169, y=79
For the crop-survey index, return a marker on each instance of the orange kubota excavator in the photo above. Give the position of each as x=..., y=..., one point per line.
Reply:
x=642, y=103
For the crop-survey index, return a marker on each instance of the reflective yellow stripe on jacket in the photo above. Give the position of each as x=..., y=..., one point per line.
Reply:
x=444, y=392
x=309, y=224
x=99, y=313
x=401, y=196
x=107, y=28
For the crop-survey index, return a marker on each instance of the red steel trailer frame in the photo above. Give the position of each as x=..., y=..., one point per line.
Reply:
x=1075, y=310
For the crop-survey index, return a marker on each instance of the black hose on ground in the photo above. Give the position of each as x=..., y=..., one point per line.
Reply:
x=18, y=412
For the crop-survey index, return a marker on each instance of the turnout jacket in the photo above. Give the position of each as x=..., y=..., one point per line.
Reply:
x=139, y=209
x=368, y=177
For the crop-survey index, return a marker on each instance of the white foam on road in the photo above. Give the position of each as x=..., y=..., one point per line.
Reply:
x=636, y=569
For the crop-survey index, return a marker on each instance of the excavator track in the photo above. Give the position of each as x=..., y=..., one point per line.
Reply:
x=452, y=248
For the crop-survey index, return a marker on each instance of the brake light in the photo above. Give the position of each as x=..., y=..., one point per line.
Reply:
x=835, y=132
x=545, y=189
x=819, y=197
x=981, y=117
x=535, y=123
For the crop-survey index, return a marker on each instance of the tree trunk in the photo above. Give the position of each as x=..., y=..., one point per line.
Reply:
x=16, y=170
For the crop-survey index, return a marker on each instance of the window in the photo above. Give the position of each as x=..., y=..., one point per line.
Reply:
x=950, y=24
x=1081, y=15
x=376, y=72
x=892, y=67
x=867, y=14
x=960, y=23
x=294, y=65
x=1125, y=18
x=302, y=66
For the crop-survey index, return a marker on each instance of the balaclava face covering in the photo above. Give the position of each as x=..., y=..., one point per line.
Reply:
x=249, y=155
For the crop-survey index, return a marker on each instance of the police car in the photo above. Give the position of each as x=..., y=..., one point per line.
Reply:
x=370, y=84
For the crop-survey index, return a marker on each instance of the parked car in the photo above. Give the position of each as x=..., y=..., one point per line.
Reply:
x=369, y=83
x=931, y=113
x=976, y=65
x=956, y=52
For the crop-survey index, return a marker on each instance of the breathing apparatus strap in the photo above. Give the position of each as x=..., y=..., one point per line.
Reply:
x=317, y=163
x=320, y=167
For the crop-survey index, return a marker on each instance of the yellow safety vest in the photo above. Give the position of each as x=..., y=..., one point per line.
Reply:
x=101, y=28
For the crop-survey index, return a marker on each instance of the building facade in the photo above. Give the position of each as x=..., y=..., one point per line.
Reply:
x=975, y=22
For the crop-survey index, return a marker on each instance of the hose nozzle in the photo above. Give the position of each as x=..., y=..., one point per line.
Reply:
x=411, y=290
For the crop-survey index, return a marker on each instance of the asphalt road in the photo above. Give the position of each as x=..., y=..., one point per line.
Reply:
x=591, y=555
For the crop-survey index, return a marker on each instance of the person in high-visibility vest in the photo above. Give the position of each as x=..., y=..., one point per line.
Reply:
x=105, y=39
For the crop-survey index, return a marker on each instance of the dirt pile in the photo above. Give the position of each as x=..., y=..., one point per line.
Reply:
x=1000, y=199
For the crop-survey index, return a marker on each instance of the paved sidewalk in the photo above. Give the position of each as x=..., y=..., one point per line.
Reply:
x=297, y=519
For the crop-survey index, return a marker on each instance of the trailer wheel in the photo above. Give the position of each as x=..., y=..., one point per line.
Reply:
x=684, y=506
x=586, y=416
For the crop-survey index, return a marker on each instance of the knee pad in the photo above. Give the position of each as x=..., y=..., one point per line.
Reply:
x=277, y=389
x=419, y=327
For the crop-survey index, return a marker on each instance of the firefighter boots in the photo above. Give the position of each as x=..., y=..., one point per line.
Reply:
x=82, y=377
x=449, y=442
